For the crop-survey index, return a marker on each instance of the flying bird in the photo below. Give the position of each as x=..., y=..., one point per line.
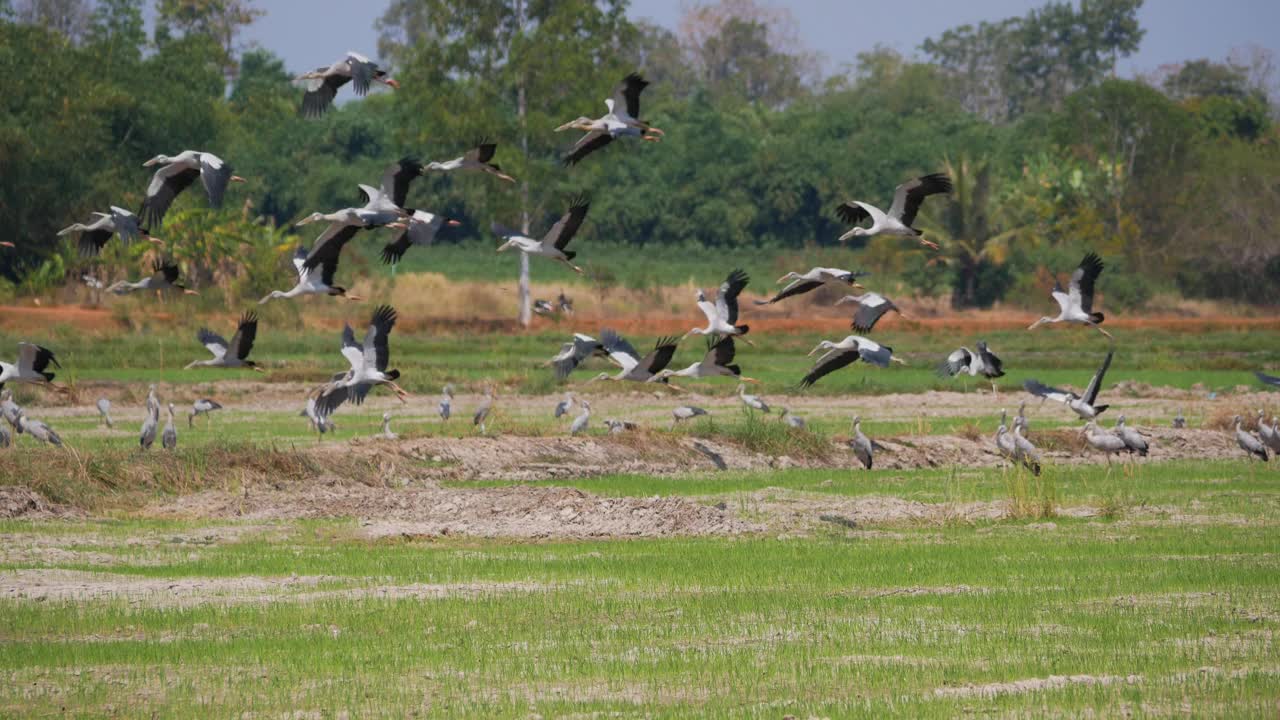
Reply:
x=232, y=354
x=1076, y=303
x=1266, y=379
x=812, y=280
x=722, y=315
x=574, y=353
x=312, y=282
x=176, y=174
x=203, y=406
x=164, y=276
x=94, y=235
x=983, y=362
x=902, y=213
x=621, y=120
x=478, y=158
x=717, y=362
x=845, y=353
x=31, y=367
x=368, y=360
x=632, y=366
x=553, y=244
x=322, y=84
x=421, y=229
x=871, y=307
x=1084, y=405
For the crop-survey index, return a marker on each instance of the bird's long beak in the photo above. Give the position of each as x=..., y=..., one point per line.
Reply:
x=1035, y=324
x=929, y=244
x=398, y=225
x=257, y=369
x=567, y=126
x=506, y=177
x=238, y=179
x=857, y=285
x=154, y=240
x=811, y=352
x=189, y=291
x=847, y=235
x=900, y=361
x=744, y=339
x=189, y=366
x=6, y=243
x=453, y=223
x=744, y=378
x=150, y=162
x=353, y=298
x=264, y=300
x=580, y=271
x=392, y=83
x=304, y=221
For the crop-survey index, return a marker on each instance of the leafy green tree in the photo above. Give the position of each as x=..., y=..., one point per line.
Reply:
x=220, y=20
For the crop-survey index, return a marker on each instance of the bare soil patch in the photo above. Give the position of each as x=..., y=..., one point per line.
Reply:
x=21, y=503
x=1053, y=682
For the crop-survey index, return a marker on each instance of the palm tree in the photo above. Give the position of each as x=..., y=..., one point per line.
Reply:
x=971, y=228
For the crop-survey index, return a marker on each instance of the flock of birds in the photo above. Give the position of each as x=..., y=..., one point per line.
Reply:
x=385, y=207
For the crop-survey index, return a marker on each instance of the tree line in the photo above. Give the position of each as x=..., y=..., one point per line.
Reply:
x=1175, y=177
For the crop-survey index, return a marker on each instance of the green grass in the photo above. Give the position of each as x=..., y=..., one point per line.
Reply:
x=844, y=623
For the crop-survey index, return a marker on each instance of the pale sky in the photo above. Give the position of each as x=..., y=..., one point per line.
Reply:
x=310, y=33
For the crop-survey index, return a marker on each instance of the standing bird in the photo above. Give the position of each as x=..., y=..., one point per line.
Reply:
x=482, y=412
x=1249, y=443
x=94, y=236
x=445, y=408
x=164, y=276
x=1004, y=441
x=1076, y=303
x=1133, y=440
x=553, y=244
x=871, y=307
x=104, y=410
x=31, y=367
x=812, y=280
x=312, y=282
x=176, y=174
x=5, y=438
x=621, y=120
x=169, y=438
x=564, y=303
x=232, y=354
x=563, y=407
x=845, y=353
x=1106, y=442
x=477, y=158
x=633, y=367
x=861, y=445
x=794, y=421
x=751, y=401
x=617, y=427
x=368, y=361
x=685, y=412
x=717, y=362
x=319, y=423
x=1084, y=405
x=1025, y=452
x=1179, y=422
x=902, y=213
x=580, y=422
x=9, y=409
x=386, y=428
x=38, y=430
x=322, y=84
x=153, y=400
x=150, y=425
x=723, y=313
x=984, y=363
x=1274, y=441
x=203, y=406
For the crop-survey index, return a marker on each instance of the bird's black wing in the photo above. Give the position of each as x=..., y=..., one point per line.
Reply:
x=721, y=350
x=868, y=315
x=397, y=177
x=632, y=86
x=658, y=359
x=909, y=195
x=1266, y=379
x=162, y=191
x=729, y=291
x=588, y=144
x=994, y=366
x=1091, y=392
x=316, y=102
x=851, y=213
x=828, y=364
x=380, y=325
x=393, y=251
x=168, y=271
x=328, y=268
x=483, y=151
x=215, y=343
x=329, y=245
x=612, y=342
x=1039, y=389
x=955, y=363
x=798, y=287
x=215, y=174
x=567, y=226
x=362, y=73
x=92, y=241
x=246, y=332
x=1084, y=278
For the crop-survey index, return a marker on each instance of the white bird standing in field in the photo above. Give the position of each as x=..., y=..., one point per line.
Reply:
x=386, y=428
x=563, y=407
x=1248, y=442
x=169, y=438
x=1076, y=303
x=861, y=445
x=553, y=244
x=5, y=438
x=1083, y=405
x=104, y=411
x=1025, y=452
x=9, y=409
x=685, y=412
x=794, y=421
x=1270, y=434
x=812, y=280
x=445, y=408
x=38, y=430
x=203, y=406
x=753, y=402
x=150, y=425
x=1133, y=440
x=1179, y=422
x=482, y=412
x=1108, y=443
x=1004, y=440
x=580, y=422
x=723, y=313
x=319, y=423
x=907, y=199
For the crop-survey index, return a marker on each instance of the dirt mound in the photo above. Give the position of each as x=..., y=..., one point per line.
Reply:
x=21, y=503
x=524, y=512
